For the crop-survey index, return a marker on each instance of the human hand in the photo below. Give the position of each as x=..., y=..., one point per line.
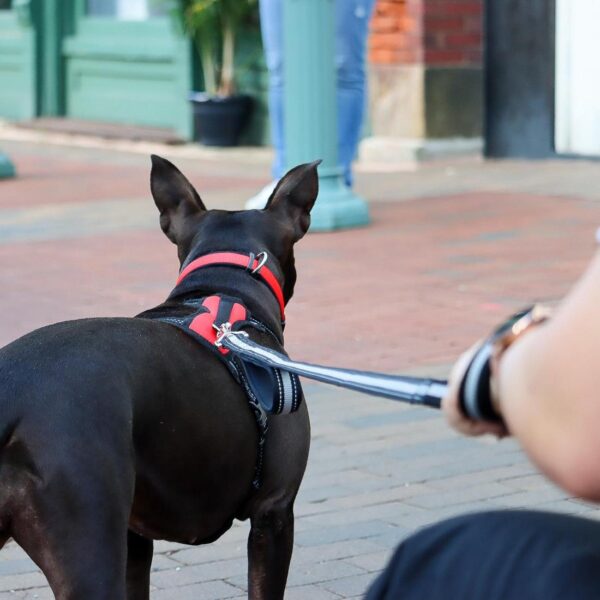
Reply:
x=451, y=405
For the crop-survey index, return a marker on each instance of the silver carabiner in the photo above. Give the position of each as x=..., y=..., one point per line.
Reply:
x=224, y=331
x=262, y=258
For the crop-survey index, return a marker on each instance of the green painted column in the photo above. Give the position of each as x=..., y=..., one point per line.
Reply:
x=50, y=19
x=7, y=169
x=310, y=110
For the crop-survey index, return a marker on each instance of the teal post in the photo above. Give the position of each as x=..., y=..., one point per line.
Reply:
x=310, y=109
x=50, y=21
x=7, y=169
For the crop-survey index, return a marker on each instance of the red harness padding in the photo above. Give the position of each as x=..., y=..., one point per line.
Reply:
x=238, y=260
x=205, y=323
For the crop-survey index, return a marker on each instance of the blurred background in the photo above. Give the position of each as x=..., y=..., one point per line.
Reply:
x=446, y=77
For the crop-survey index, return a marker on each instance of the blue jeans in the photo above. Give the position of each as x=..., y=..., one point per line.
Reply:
x=352, y=24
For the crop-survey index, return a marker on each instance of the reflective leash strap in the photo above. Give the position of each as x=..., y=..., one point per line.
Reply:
x=413, y=390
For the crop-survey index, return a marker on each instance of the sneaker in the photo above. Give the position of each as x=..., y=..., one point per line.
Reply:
x=260, y=200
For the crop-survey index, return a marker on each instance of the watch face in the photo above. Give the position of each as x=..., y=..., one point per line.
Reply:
x=507, y=325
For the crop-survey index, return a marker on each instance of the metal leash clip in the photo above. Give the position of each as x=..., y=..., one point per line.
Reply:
x=262, y=258
x=224, y=331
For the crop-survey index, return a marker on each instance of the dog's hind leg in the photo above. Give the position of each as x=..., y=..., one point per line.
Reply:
x=139, y=561
x=73, y=523
x=269, y=552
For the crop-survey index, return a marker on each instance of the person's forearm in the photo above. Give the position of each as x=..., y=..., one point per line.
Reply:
x=549, y=390
x=541, y=411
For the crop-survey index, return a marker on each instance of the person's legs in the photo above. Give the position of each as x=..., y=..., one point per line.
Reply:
x=271, y=24
x=502, y=555
x=352, y=23
x=352, y=28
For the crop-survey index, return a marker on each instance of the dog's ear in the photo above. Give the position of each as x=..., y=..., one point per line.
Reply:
x=175, y=197
x=295, y=195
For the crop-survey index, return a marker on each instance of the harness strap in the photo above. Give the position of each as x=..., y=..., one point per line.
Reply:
x=255, y=265
x=218, y=312
x=275, y=392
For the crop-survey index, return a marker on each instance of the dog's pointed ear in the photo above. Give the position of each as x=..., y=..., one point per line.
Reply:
x=295, y=195
x=174, y=196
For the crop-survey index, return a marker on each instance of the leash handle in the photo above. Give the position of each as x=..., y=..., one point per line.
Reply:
x=413, y=390
x=475, y=396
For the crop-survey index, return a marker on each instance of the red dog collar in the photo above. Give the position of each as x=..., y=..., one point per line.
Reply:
x=250, y=262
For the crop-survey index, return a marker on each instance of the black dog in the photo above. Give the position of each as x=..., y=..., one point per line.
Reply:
x=115, y=432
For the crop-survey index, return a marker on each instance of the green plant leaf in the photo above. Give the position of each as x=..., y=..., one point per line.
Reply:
x=213, y=25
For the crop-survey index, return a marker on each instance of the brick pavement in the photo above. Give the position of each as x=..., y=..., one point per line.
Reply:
x=79, y=237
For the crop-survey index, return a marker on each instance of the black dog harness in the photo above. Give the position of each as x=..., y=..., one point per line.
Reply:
x=270, y=391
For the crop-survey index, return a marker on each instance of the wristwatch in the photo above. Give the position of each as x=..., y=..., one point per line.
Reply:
x=476, y=397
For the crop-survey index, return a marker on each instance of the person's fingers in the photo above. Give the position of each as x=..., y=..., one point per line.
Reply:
x=451, y=405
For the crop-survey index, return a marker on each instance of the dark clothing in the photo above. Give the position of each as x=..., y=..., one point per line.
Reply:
x=501, y=555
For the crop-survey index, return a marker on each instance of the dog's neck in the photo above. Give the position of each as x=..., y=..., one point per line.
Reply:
x=237, y=283
x=243, y=276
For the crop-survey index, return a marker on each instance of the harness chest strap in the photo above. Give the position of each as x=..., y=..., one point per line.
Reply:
x=270, y=391
x=273, y=390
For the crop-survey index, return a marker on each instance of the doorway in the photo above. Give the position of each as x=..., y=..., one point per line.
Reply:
x=578, y=77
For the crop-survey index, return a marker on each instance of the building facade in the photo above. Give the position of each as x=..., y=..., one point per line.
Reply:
x=513, y=78
x=117, y=61
x=96, y=60
x=426, y=78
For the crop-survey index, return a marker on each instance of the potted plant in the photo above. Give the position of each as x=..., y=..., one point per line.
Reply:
x=220, y=113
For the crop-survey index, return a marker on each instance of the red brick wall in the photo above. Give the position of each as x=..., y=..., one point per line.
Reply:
x=434, y=32
x=396, y=32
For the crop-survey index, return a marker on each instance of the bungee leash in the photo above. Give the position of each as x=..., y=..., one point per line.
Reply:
x=474, y=393
x=413, y=390
x=271, y=377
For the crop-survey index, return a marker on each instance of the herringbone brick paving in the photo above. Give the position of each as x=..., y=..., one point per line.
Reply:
x=452, y=249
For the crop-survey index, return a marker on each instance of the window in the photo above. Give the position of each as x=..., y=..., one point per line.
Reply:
x=123, y=10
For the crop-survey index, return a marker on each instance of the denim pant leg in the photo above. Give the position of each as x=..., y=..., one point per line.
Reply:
x=271, y=25
x=352, y=23
x=352, y=29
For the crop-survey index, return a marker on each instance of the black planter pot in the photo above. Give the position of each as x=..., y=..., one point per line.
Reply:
x=219, y=121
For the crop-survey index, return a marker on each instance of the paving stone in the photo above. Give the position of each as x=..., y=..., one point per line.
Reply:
x=378, y=497
x=500, y=474
x=209, y=590
x=38, y=594
x=311, y=573
x=23, y=565
x=438, y=499
x=197, y=573
x=309, y=592
x=350, y=516
x=350, y=586
x=21, y=581
x=335, y=550
x=371, y=562
x=528, y=498
x=327, y=535
x=210, y=553
x=161, y=562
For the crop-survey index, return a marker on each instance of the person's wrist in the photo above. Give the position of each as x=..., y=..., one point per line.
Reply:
x=538, y=315
x=495, y=382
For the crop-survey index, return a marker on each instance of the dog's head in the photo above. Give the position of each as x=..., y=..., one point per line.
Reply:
x=195, y=230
